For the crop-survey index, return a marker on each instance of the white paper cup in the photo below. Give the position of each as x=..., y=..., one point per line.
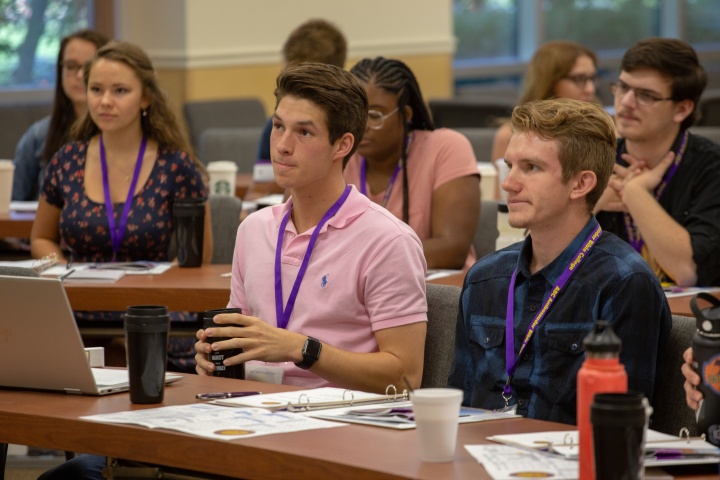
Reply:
x=6, y=181
x=503, y=171
x=488, y=180
x=222, y=177
x=437, y=412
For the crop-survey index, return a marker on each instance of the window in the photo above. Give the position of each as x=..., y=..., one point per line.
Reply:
x=31, y=31
x=702, y=22
x=496, y=38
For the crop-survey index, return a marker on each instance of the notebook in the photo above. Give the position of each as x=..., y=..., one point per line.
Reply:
x=40, y=345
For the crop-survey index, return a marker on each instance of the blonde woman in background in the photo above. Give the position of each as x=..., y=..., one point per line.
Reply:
x=559, y=69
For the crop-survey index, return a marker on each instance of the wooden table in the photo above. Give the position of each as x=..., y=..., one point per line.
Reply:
x=50, y=420
x=678, y=305
x=180, y=289
x=16, y=224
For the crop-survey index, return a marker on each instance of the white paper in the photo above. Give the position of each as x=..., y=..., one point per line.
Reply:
x=439, y=273
x=24, y=206
x=672, y=292
x=565, y=443
x=213, y=421
x=154, y=268
x=312, y=397
x=381, y=415
x=509, y=463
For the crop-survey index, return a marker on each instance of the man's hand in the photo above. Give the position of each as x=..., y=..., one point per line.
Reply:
x=259, y=340
x=692, y=395
x=611, y=199
x=647, y=178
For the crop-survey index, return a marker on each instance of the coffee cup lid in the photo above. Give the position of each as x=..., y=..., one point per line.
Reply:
x=222, y=166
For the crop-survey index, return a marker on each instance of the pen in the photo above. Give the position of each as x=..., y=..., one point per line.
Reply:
x=66, y=274
x=213, y=396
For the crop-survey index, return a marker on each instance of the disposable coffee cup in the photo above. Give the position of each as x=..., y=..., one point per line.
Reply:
x=6, y=181
x=146, y=341
x=502, y=173
x=219, y=356
x=189, y=218
x=488, y=180
x=619, y=422
x=437, y=413
x=222, y=177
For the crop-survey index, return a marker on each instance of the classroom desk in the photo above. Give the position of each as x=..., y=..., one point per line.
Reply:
x=180, y=289
x=678, y=305
x=189, y=289
x=50, y=420
x=16, y=224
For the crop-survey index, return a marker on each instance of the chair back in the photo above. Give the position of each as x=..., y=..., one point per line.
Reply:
x=709, y=106
x=470, y=112
x=225, y=219
x=711, y=133
x=481, y=140
x=670, y=411
x=486, y=233
x=238, y=145
x=230, y=113
x=443, y=303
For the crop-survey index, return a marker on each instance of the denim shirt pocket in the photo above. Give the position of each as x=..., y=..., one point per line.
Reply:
x=565, y=352
x=488, y=332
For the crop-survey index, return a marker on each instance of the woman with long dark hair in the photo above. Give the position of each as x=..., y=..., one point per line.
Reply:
x=45, y=137
x=426, y=177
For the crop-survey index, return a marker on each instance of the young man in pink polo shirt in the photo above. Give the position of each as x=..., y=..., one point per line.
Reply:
x=332, y=285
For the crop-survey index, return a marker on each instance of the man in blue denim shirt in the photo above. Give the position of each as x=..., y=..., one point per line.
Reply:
x=566, y=274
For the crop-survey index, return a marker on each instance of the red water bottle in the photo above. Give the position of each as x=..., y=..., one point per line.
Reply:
x=601, y=372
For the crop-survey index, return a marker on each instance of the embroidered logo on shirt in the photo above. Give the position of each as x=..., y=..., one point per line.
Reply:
x=324, y=281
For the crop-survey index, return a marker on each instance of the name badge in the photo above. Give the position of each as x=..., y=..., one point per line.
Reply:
x=263, y=372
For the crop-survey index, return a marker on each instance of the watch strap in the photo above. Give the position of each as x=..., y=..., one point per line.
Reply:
x=311, y=353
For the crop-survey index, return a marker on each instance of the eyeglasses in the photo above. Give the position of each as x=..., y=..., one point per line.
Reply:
x=642, y=97
x=376, y=119
x=71, y=68
x=581, y=80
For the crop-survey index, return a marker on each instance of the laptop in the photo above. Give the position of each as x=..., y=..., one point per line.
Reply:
x=40, y=345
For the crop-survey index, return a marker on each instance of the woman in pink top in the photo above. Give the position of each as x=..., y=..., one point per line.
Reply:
x=426, y=177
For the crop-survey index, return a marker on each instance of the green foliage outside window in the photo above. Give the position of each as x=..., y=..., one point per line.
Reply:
x=30, y=33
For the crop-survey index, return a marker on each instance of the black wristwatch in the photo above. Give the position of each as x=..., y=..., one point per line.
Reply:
x=311, y=353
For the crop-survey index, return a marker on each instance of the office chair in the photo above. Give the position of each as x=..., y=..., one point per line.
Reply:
x=443, y=303
x=225, y=219
x=230, y=113
x=238, y=145
x=670, y=411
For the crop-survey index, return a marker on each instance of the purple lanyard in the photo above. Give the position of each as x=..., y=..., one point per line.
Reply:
x=633, y=235
x=283, y=316
x=117, y=234
x=511, y=361
x=388, y=189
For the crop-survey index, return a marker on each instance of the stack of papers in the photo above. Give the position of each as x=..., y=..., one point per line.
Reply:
x=106, y=272
x=351, y=406
x=214, y=421
x=661, y=449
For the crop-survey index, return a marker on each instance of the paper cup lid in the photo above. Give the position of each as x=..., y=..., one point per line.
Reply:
x=222, y=166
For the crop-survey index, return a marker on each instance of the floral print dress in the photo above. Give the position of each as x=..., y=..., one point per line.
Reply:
x=150, y=227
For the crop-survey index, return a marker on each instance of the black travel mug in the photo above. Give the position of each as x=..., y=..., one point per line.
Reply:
x=217, y=357
x=146, y=340
x=189, y=231
x=618, y=423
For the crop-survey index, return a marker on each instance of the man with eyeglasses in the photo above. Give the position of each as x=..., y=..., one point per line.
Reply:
x=662, y=197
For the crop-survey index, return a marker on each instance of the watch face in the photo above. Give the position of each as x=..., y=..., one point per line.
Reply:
x=312, y=348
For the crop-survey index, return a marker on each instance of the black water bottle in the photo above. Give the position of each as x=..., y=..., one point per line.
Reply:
x=706, y=353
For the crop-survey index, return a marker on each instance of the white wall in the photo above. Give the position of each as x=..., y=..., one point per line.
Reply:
x=215, y=33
